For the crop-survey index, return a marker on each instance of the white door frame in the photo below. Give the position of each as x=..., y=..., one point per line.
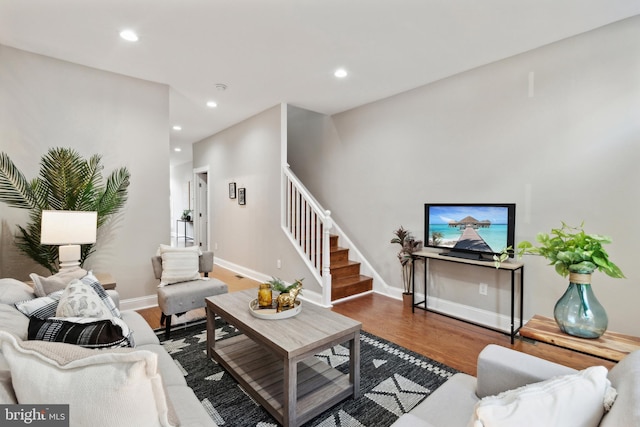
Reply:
x=197, y=221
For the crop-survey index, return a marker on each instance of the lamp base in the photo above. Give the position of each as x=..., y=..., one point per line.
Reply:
x=69, y=256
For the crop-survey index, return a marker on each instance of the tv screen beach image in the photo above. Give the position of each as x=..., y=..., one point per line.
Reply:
x=470, y=228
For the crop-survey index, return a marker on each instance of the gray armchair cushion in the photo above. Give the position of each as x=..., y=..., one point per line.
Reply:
x=185, y=296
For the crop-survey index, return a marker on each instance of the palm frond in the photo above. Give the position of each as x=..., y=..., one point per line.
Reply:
x=114, y=196
x=14, y=187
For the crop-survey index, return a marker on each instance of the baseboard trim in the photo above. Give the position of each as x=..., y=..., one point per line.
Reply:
x=467, y=313
x=139, y=303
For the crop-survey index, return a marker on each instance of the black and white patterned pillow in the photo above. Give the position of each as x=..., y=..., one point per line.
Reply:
x=85, y=332
x=42, y=308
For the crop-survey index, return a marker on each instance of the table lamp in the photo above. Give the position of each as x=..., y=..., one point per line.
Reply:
x=69, y=229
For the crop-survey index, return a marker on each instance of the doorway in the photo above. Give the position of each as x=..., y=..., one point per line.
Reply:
x=201, y=205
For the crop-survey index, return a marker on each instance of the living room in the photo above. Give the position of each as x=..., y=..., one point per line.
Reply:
x=552, y=129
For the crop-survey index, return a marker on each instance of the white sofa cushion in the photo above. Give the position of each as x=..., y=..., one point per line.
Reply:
x=576, y=399
x=12, y=291
x=102, y=388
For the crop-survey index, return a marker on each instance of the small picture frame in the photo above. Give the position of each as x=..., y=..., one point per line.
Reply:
x=232, y=190
x=242, y=196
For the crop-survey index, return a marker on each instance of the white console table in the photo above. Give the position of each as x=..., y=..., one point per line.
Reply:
x=511, y=266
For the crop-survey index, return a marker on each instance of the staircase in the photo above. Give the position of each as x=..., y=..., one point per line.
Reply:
x=308, y=225
x=346, y=279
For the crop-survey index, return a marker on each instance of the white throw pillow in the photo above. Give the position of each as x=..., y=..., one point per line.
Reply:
x=568, y=400
x=102, y=388
x=164, y=248
x=80, y=300
x=43, y=286
x=179, y=265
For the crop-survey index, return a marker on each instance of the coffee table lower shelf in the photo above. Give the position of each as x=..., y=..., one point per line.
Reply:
x=261, y=373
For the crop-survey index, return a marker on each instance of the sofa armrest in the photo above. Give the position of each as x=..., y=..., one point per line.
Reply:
x=501, y=369
x=115, y=296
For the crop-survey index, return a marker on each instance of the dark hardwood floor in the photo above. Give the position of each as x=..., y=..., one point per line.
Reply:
x=452, y=342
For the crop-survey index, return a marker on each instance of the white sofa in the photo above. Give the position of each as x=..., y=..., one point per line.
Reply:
x=501, y=369
x=184, y=407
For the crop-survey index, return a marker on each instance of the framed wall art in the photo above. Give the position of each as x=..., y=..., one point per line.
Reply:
x=242, y=196
x=232, y=190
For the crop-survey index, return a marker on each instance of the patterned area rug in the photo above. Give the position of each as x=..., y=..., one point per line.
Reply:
x=393, y=381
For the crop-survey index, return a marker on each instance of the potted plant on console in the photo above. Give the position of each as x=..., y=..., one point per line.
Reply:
x=576, y=254
x=408, y=245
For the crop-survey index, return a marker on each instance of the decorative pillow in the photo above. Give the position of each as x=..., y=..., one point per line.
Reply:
x=163, y=248
x=42, y=308
x=92, y=281
x=179, y=265
x=569, y=400
x=80, y=300
x=83, y=331
x=43, y=286
x=103, y=389
x=12, y=291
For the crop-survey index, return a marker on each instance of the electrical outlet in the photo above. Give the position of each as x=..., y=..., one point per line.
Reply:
x=483, y=289
x=215, y=246
x=278, y=264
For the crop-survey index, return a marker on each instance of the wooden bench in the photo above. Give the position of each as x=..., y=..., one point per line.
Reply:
x=611, y=345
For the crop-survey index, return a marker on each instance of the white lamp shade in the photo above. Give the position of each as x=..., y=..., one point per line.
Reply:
x=68, y=227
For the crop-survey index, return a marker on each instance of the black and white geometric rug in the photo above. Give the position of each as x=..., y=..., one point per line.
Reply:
x=393, y=380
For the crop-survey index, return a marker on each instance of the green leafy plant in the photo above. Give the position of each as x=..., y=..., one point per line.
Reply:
x=66, y=181
x=570, y=250
x=408, y=245
x=279, y=286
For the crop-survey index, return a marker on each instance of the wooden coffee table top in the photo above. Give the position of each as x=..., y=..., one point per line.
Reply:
x=611, y=346
x=314, y=326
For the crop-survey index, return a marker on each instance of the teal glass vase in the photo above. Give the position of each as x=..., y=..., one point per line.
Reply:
x=578, y=312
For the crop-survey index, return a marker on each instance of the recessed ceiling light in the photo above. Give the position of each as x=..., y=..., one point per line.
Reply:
x=340, y=73
x=177, y=127
x=177, y=149
x=129, y=35
x=212, y=104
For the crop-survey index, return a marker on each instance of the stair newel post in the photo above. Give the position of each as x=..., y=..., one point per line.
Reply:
x=326, y=258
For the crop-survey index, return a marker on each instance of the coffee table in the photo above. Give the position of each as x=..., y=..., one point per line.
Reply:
x=274, y=360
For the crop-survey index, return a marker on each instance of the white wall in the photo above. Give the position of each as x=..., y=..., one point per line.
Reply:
x=248, y=238
x=564, y=149
x=47, y=103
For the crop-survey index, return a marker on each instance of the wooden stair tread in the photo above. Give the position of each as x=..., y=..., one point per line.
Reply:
x=349, y=286
x=350, y=280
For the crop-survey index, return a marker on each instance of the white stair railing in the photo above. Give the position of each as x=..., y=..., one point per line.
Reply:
x=308, y=227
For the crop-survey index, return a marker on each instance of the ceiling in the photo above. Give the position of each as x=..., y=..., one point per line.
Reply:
x=272, y=51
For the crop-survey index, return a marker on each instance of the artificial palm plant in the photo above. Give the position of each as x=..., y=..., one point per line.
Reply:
x=408, y=245
x=66, y=182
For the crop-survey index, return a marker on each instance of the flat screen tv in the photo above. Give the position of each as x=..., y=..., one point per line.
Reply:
x=472, y=230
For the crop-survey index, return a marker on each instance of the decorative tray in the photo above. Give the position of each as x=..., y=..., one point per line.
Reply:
x=270, y=313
